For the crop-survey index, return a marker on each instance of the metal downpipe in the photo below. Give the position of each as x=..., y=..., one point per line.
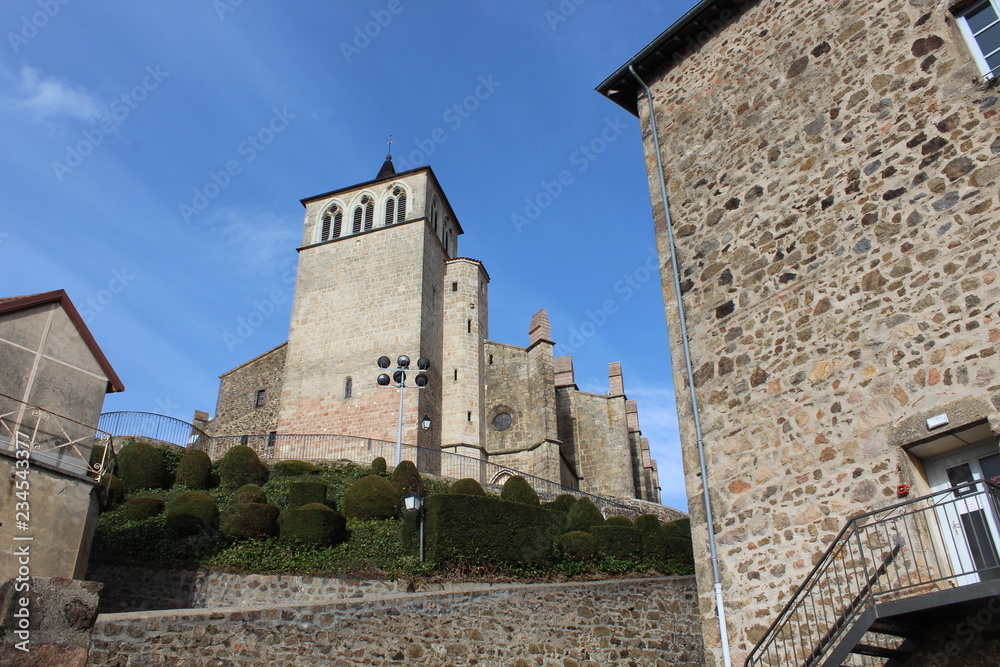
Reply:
x=709, y=517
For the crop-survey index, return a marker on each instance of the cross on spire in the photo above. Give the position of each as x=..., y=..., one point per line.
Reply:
x=389, y=144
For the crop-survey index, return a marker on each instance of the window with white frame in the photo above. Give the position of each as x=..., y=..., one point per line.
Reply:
x=364, y=215
x=981, y=26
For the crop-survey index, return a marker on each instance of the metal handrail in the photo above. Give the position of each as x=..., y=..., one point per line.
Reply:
x=942, y=538
x=324, y=446
x=54, y=440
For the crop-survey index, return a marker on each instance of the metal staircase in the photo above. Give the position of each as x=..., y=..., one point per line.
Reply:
x=862, y=604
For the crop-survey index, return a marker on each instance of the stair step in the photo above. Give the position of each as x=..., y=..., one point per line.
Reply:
x=880, y=652
x=897, y=629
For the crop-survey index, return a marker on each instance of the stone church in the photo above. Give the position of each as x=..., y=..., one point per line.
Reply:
x=825, y=182
x=380, y=273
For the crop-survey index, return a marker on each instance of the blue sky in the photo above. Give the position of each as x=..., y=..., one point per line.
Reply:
x=155, y=154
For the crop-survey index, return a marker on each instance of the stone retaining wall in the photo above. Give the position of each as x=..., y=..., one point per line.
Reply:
x=634, y=621
x=139, y=589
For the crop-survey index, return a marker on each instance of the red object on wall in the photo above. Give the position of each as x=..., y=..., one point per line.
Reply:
x=903, y=490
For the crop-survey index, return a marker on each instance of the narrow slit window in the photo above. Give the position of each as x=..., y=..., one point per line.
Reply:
x=271, y=438
x=260, y=398
x=348, y=388
x=244, y=439
x=468, y=326
x=469, y=416
x=491, y=359
x=454, y=287
x=456, y=374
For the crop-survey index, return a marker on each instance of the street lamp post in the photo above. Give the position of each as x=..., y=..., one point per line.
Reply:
x=399, y=378
x=414, y=500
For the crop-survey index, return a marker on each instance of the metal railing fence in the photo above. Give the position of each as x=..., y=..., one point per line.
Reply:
x=52, y=439
x=945, y=539
x=334, y=447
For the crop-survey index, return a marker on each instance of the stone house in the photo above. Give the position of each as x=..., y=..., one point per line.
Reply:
x=53, y=380
x=380, y=273
x=824, y=181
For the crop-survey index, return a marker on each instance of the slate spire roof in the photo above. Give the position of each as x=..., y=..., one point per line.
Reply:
x=387, y=168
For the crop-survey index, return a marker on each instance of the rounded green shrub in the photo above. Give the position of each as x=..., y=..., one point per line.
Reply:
x=249, y=521
x=679, y=548
x=305, y=492
x=562, y=503
x=618, y=541
x=583, y=515
x=648, y=523
x=517, y=490
x=313, y=523
x=293, y=468
x=403, y=478
x=112, y=492
x=191, y=512
x=578, y=545
x=379, y=466
x=468, y=487
x=250, y=493
x=241, y=465
x=370, y=497
x=136, y=509
x=623, y=521
x=678, y=528
x=172, y=455
x=194, y=470
x=141, y=466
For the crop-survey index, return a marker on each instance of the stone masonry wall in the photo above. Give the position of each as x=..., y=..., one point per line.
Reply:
x=236, y=412
x=832, y=171
x=635, y=621
x=597, y=428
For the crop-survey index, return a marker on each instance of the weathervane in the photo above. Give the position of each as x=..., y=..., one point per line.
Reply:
x=389, y=144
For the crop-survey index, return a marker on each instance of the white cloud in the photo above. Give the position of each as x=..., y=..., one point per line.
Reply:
x=260, y=242
x=48, y=97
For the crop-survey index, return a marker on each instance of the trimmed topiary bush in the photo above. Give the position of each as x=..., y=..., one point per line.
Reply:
x=647, y=522
x=484, y=530
x=517, y=490
x=249, y=521
x=617, y=520
x=678, y=528
x=194, y=470
x=402, y=478
x=250, y=493
x=468, y=487
x=578, y=545
x=379, y=466
x=141, y=466
x=371, y=497
x=314, y=524
x=136, y=509
x=294, y=468
x=191, y=512
x=654, y=546
x=172, y=455
x=618, y=541
x=240, y=466
x=305, y=492
x=562, y=503
x=679, y=548
x=583, y=515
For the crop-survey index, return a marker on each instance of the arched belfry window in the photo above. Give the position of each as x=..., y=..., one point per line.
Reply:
x=434, y=213
x=369, y=205
x=395, y=206
x=356, y=227
x=332, y=223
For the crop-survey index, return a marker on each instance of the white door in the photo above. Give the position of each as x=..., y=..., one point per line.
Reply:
x=969, y=515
